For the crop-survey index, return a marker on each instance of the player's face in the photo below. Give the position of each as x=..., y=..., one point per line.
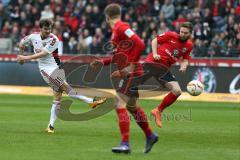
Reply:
x=45, y=31
x=185, y=34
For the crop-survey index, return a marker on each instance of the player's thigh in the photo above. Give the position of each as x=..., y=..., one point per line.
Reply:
x=124, y=91
x=155, y=69
x=54, y=78
x=120, y=100
x=163, y=79
x=169, y=82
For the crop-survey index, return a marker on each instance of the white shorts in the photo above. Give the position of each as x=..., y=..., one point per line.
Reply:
x=53, y=77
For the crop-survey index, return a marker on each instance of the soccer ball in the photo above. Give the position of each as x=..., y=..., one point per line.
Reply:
x=195, y=87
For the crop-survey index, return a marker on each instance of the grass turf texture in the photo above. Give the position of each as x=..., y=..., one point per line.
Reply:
x=191, y=130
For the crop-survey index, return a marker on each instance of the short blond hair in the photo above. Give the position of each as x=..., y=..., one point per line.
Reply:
x=113, y=10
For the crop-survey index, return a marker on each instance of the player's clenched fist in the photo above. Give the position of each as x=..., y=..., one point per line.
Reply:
x=156, y=57
x=21, y=59
x=119, y=74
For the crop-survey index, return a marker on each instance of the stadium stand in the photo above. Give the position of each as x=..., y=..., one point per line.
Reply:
x=80, y=24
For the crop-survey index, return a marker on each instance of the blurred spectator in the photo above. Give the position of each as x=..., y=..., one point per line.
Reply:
x=99, y=35
x=213, y=49
x=179, y=20
x=15, y=37
x=47, y=13
x=81, y=27
x=199, y=49
x=72, y=45
x=82, y=46
x=155, y=9
x=142, y=7
x=15, y=14
x=35, y=15
x=95, y=47
x=163, y=28
x=6, y=30
x=3, y=15
x=206, y=33
x=231, y=50
x=168, y=10
x=87, y=37
x=207, y=17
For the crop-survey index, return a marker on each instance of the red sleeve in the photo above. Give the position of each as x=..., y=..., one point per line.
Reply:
x=188, y=52
x=164, y=37
x=137, y=44
x=138, y=48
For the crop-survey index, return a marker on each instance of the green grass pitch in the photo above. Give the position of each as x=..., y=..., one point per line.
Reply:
x=191, y=131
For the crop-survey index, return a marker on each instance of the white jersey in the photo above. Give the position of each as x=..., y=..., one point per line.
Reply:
x=47, y=63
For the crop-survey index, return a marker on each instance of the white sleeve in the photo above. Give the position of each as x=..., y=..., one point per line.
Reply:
x=26, y=41
x=51, y=46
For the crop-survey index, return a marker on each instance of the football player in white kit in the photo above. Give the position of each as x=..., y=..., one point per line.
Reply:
x=45, y=45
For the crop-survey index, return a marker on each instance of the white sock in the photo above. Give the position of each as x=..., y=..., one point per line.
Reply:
x=53, y=115
x=74, y=94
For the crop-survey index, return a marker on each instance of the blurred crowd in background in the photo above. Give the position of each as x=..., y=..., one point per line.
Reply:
x=81, y=26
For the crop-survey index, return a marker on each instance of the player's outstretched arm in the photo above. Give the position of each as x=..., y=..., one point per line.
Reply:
x=154, y=49
x=183, y=65
x=30, y=57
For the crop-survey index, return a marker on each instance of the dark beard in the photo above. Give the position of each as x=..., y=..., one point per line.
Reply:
x=183, y=40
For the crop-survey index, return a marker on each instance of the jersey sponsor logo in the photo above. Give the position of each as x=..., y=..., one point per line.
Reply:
x=173, y=55
x=207, y=77
x=168, y=52
x=129, y=33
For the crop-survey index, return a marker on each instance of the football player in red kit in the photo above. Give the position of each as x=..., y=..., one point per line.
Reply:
x=127, y=51
x=167, y=49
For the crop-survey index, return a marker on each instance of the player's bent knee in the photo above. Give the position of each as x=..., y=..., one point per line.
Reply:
x=131, y=104
x=57, y=96
x=177, y=92
x=131, y=108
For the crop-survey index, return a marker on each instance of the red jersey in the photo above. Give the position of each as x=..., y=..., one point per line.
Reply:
x=128, y=45
x=171, y=49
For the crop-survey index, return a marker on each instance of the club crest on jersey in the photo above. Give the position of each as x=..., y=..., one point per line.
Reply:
x=184, y=50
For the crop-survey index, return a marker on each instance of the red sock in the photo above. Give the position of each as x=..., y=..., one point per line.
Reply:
x=141, y=119
x=167, y=101
x=124, y=123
